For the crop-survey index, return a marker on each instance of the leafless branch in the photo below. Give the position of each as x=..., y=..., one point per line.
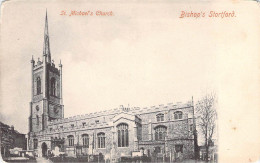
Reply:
x=207, y=115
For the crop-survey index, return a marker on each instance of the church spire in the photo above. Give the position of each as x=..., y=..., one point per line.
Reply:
x=46, y=44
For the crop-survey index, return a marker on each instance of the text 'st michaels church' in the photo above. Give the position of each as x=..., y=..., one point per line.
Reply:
x=156, y=130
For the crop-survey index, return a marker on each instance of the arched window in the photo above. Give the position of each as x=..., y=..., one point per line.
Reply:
x=71, y=140
x=101, y=140
x=123, y=138
x=160, y=117
x=35, y=143
x=53, y=86
x=38, y=84
x=160, y=132
x=37, y=120
x=85, y=139
x=178, y=115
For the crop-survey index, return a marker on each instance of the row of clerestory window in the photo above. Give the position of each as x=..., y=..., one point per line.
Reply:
x=177, y=115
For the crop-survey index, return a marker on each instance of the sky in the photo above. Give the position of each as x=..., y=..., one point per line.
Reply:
x=143, y=55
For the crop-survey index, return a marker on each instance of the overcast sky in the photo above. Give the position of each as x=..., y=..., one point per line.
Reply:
x=144, y=55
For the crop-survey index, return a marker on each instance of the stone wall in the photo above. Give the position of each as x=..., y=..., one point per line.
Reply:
x=141, y=129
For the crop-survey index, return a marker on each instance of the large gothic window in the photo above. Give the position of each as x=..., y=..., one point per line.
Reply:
x=178, y=115
x=35, y=143
x=122, y=134
x=38, y=84
x=160, y=117
x=71, y=140
x=53, y=86
x=85, y=139
x=160, y=132
x=101, y=140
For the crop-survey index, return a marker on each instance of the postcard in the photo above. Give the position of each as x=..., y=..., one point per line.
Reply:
x=130, y=81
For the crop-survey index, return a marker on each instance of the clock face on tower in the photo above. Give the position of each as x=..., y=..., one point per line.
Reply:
x=54, y=111
x=37, y=108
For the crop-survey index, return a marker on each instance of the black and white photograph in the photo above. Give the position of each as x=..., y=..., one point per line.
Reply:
x=133, y=81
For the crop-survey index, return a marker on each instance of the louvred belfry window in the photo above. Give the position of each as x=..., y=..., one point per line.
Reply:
x=38, y=84
x=53, y=87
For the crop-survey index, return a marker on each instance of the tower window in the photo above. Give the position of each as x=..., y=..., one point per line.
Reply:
x=35, y=143
x=53, y=87
x=38, y=83
x=101, y=140
x=122, y=130
x=191, y=127
x=37, y=120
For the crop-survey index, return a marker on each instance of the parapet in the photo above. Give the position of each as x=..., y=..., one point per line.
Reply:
x=161, y=107
x=134, y=110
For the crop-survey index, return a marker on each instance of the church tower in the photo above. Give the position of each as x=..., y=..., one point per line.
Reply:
x=46, y=85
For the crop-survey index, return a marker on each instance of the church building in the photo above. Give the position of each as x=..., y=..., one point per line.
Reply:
x=120, y=132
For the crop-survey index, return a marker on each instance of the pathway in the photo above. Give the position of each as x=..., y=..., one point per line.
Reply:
x=43, y=160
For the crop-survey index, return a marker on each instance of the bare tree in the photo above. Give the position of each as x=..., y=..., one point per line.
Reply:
x=207, y=115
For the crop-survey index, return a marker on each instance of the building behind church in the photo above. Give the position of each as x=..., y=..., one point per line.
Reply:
x=120, y=132
x=10, y=139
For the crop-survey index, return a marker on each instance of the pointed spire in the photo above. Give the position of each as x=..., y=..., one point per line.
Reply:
x=60, y=65
x=46, y=44
x=32, y=61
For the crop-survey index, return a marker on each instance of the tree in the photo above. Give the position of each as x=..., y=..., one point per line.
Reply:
x=207, y=116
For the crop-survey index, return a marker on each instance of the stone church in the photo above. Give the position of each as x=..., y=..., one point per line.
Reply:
x=121, y=132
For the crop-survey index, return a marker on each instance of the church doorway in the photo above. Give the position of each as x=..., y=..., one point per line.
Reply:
x=44, y=149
